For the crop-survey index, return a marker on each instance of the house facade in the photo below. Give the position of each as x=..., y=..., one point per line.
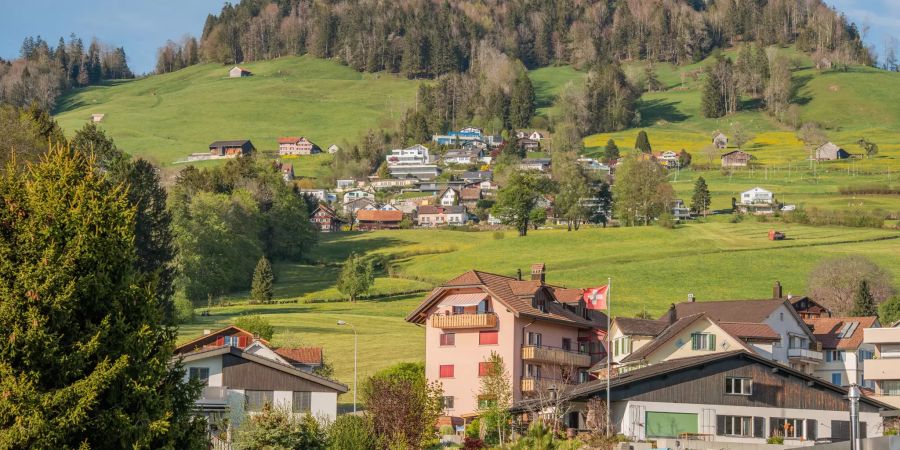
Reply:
x=884, y=369
x=543, y=333
x=231, y=148
x=439, y=216
x=357, y=194
x=538, y=164
x=238, y=72
x=448, y=197
x=845, y=354
x=470, y=135
x=296, y=146
x=378, y=219
x=829, y=151
x=325, y=219
x=736, y=158
x=757, y=201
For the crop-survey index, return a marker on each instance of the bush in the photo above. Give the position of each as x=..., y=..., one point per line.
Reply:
x=870, y=189
x=256, y=325
x=473, y=429
x=850, y=218
x=184, y=308
x=446, y=430
x=278, y=428
x=736, y=218
x=472, y=443
x=776, y=439
x=667, y=220
x=498, y=235
x=350, y=433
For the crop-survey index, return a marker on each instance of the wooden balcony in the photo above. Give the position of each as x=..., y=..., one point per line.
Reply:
x=458, y=321
x=529, y=385
x=555, y=356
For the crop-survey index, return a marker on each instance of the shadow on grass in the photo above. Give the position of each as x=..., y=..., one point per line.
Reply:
x=339, y=246
x=797, y=84
x=653, y=111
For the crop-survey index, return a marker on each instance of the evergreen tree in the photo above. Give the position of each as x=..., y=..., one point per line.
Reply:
x=864, y=302
x=356, y=277
x=521, y=102
x=604, y=205
x=611, y=151
x=651, y=81
x=711, y=104
x=92, y=140
x=642, y=142
x=701, y=199
x=261, y=290
x=87, y=351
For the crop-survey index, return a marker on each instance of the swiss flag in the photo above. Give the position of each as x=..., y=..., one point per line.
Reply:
x=595, y=298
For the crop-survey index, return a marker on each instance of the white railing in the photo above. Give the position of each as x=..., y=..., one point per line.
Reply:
x=804, y=353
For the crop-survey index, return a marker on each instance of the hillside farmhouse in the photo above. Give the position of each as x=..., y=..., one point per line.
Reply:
x=293, y=145
x=720, y=141
x=736, y=158
x=238, y=72
x=830, y=152
x=231, y=149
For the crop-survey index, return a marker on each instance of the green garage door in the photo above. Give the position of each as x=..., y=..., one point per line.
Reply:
x=663, y=424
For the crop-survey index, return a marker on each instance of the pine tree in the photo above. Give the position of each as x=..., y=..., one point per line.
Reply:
x=864, y=302
x=652, y=83
x=711, y=103
x=521, y=102
x=642, y=142
x=611, y=152
x=701, y=199
x=263, y=280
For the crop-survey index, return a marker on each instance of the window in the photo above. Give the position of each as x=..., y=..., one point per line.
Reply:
x=566, y=344
x=487, y=337
x=534, y=339
x=890, y=387
x=255, y=400
x=703, y=341
x=738, y=386
x=231, y=340
x=485, y=368
x=446, y=371
x=459, y=310
x=789, y=428
x=735, y=426
x=796, y=342
x=834, y=355
x=836, y=378
x=199, y=373
x=866, y=354
x=532, y=371
x=482, y=307
x=622, y=346
x=448, y=339
x=448, y=402
x=301, y=402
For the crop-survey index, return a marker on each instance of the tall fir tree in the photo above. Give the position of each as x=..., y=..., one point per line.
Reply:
x=701, y=199
x=262, y=288
x=521, y=102
x=611, y=151
x=711, y=103
x=864, y=303
x=642, y=142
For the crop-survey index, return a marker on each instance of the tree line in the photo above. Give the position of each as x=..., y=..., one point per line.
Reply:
x=426, y=39
x=42, y=72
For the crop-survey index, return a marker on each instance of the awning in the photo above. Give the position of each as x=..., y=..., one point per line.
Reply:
x=463, y=299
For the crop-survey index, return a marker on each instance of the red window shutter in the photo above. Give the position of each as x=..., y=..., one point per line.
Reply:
x=484, y=369
x=220, y=341
x=487, y=337
x=446, y=371
x=242, y=341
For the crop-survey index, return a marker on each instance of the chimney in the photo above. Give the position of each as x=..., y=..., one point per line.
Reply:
x=537, y=272
x=691, y=297
x=673, y=315
x=776, y=290
x=519, y=274
x=207, y=332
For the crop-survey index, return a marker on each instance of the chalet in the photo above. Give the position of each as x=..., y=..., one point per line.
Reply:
x=720, y=141
x=238, y=72
x=287, y=171
x=231, y=148
x=806, y=307
x=841, y=339
x=448, y=197
x=731, y=396
x=293, y=145
x=534, y=135
x=667, y=159
x=538, y=164
x=438, y=216
x=359, y=204
x=470, y=196
x=736, y=158
x=332, y=149
x=830, y=152
x=325, y=219
x=528, y=145
x=544, y=334
x=757, y=201
x=230, y=335
x=367, y=220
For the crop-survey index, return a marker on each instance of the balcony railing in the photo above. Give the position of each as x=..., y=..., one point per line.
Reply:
x=804, y=354
x=555, y=355
x=535, y=384
x=483, y=320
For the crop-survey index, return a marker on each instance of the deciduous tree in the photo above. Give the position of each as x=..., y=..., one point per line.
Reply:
x=641, y=192
x=835, y=282
x=356, y=277
x=519, y=198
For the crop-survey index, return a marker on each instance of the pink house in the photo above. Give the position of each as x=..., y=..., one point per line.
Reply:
x=545, y=335
x=296, y=146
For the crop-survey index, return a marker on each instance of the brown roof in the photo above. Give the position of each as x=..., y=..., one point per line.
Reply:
x=754, y=311
x=516, y=294
x=433, y=209
x=227, y=331
x=743, y=330
x=567, y=295
x=289, y=140
x=308, y=355
x=375, y=215
x=670, y=332
x=471, y=194
x=640, y=327
x=840, y=333
x=324, y=208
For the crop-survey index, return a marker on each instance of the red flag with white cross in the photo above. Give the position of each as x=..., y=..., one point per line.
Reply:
x=595, y=298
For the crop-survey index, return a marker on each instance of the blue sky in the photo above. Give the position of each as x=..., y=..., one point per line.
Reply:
x=142, y=26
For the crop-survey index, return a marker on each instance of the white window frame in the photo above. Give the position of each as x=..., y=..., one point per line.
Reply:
x=738, y=386
x=742, y=424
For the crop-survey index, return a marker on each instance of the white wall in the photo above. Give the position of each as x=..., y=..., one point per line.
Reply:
x=214, y=363
x=324, y=405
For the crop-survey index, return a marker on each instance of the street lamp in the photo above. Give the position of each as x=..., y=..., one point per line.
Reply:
x=355, y=348
x=853, y=394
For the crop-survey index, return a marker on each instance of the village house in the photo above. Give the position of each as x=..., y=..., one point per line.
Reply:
x=238, y=72
x=391, y=183
x=534, y=135
x=439, y=216
x=293, y=145
x=841, y=339
x=469, y=196
x=287, y=171
x=448, y=197
x=332, y=149
x=720, y=141
x=464, y=156
x=347, y=183
x=321, y=195
x=667, y=159
x=412, y=162
x=97, y=117
x=357, y=194
x=325, y=219
x=243, y=373
x=736, y=158
x=733, y=396
x=807, y=308
x=378, y=219
x=756, y=201
x=468, y=135
x=544, y=334
x=593, y=165
x=538, y=164
x=884, y=369
x=528, y=145
x=231, y=149
x=350, y=208
x=477, y=176
x=830, y=152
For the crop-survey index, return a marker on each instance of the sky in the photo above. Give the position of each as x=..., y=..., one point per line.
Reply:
x=142, y=26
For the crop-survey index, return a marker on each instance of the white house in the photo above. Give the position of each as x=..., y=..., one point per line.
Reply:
x=332, y=149
x=357, y=194
x=237, y=72
x=757, y=195
x=448, y=197
x=417, y=154
x=320, y=194
x=844, y=352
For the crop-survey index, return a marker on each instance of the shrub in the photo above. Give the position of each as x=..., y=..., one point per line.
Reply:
x=257, y=325
x=498, y=235
x=278, y=428
x=736, y=218
x=775, y=439
x=473, y=429
x=667, y=220
x=349, y=432
x=870, y=189
x=447, y=429
x=472, y=443
x=184, y=308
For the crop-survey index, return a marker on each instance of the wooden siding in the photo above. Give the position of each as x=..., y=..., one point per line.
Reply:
x=464, y=321
x=706, y=385
x=239, y=373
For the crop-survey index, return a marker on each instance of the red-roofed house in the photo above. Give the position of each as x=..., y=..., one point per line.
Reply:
x=308, y=358
x=842, y=344
x=293, y=145
x=376, y=219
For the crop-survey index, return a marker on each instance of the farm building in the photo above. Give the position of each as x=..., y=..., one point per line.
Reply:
x=376, y=219
x=237, y=72
x=231, y=148
x=830, y=152
x=293, y=145
x=736, y=158
x=333, y=148
x=720, y=141
x=287, y=172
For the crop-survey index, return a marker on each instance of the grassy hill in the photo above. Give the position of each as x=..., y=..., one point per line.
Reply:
x=166, y=117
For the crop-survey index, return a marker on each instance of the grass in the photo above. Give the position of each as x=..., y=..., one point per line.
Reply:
x=164, y=118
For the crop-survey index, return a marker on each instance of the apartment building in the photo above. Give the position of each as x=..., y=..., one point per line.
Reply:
x=884, y=369
x=845, y=353
x=545, y=335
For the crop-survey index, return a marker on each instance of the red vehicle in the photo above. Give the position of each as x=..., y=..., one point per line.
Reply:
x=776, y=235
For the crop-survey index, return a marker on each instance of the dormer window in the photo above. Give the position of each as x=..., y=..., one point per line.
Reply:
x=231, y=340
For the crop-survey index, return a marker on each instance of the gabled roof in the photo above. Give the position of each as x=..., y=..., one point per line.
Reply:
x=753, y=331
x=471, y=194
x=841, y=333
x=378, y=215
x=233, y=143
x=640, y=327
x=325, y=209
x=291, y=139
x=669, y=333
x=304, y=355
x=738, y=152
x=517, y=295
x=754, y=311
x=290, y=370
x=229, y=330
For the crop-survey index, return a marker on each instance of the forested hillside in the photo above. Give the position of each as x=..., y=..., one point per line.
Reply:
x=424, y=38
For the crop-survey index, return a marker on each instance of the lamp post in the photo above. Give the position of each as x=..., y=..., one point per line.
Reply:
x=853, y=395
x=355, y=348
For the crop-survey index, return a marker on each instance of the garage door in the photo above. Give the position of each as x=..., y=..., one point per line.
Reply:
x=664, y=424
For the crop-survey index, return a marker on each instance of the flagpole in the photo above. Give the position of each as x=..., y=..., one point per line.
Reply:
x=608, y=348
